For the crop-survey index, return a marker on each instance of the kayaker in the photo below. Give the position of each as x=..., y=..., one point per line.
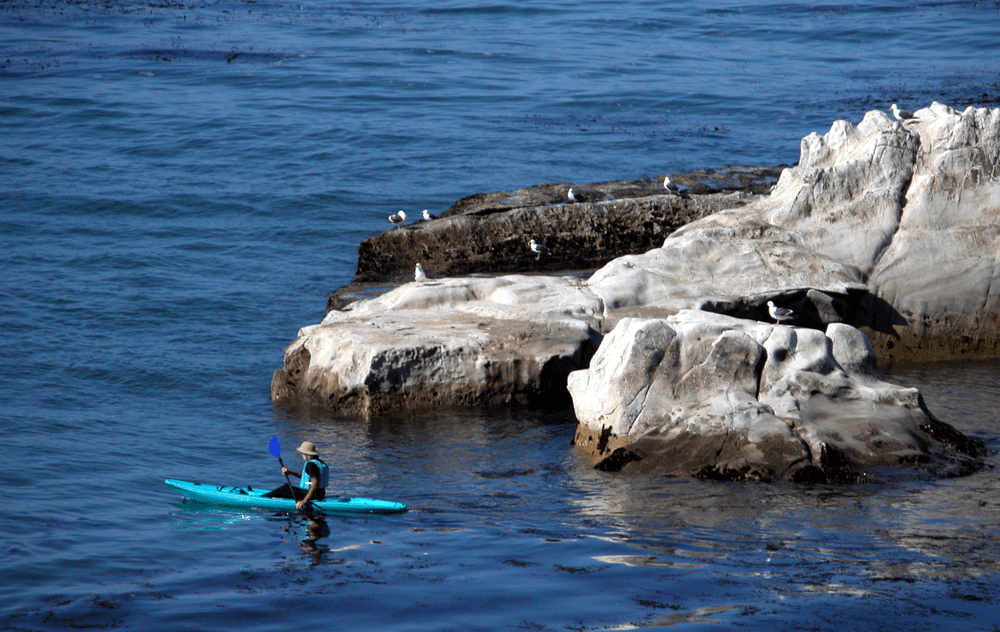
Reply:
x=313, y=478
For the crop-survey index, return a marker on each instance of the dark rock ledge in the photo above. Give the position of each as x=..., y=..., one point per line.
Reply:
x=489, y=233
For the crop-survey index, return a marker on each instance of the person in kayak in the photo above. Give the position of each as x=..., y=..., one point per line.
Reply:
x=313, y=478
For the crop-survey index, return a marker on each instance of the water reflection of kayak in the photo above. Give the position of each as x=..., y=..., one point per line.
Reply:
x=250, y=497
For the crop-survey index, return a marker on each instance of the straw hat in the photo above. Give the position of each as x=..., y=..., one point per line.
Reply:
x=307, y=448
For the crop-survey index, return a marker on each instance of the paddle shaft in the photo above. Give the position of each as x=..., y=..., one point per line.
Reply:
x=282, y=464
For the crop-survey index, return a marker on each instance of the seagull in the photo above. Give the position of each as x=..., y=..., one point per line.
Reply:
x=901, y=115
x=571, y=197
x=539, y=249
x=398, y=218
x=671, y=186
x=427, y=216
x=778, y=313
x=419, y=275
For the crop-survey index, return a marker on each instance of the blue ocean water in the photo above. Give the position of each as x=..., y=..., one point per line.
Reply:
x=182, y=184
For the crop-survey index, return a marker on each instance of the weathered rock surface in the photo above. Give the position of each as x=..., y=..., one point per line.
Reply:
x=468, y=341
x=489, y=233
x=939, y=273
x=897, y=222
x=883, y=227
x=708, y=395
x=724, y=263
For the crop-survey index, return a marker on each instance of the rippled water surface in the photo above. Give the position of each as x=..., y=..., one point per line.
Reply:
x=183, y=184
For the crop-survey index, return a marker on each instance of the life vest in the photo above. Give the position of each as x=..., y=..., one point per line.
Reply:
x=324, y=474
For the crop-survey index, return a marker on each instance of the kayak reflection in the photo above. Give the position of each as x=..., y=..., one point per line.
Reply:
x=314, y=529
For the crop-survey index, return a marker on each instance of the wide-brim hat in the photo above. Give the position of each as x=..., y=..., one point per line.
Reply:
x=308, y=448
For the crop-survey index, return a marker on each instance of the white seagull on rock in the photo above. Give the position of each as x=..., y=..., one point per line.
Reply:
x=398, y=218
x=571, y=196
x=779, y=314
x=419, y=275
x=427, y=216
x=539, y=249
x=901, y=115
x=671, y=186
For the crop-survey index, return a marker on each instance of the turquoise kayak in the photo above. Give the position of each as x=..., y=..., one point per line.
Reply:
x=254, y=498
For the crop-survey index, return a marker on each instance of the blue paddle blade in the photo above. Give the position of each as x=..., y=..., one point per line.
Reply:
x=275, y=447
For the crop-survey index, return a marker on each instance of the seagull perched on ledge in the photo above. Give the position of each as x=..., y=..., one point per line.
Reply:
x=571, y=197
x=671, y=186
x=539, y=249
x=398, y=218
x=779, y=314
x=419, y=275
x=901, y=115
x=427, y=216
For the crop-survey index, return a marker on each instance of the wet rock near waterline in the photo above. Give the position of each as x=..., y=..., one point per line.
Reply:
x=707, y=395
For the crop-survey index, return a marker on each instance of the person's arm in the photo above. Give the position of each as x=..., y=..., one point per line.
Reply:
x=286, y=472
x=309, y=494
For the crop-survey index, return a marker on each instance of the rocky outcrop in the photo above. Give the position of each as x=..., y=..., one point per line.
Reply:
x=896, y=221
x=702, y=394
x=914, y=206
x=939, y=272
x=465, y=341
x=888, y=226
x=884, y=228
